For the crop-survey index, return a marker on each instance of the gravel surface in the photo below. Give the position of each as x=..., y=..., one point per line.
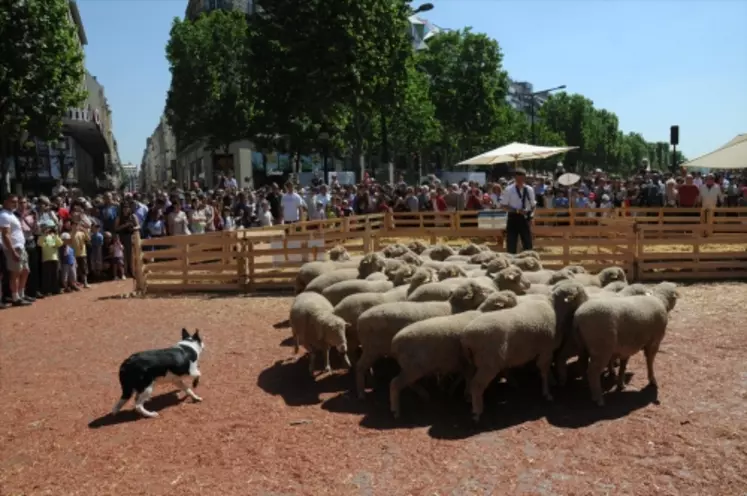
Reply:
x=265, y=428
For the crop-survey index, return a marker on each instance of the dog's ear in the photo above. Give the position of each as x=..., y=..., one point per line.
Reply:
x=196, y=336
x=185, y=334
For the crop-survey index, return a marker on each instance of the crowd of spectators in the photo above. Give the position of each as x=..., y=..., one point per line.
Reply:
x=64, y=242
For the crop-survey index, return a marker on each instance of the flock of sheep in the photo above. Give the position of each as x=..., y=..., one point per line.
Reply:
x=476, y=314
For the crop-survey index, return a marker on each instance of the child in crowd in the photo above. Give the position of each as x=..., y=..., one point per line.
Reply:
x=229, y=224
x=50, y=244
x=97, y=251
x=265, y=216
x=117, y=254
x=80, y=239
x=67, y=267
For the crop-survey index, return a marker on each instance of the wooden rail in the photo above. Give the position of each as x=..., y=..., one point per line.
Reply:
x=649, y=244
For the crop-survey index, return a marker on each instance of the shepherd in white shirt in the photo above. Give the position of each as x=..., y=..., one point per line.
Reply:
x=518, y=199
x=710, y=193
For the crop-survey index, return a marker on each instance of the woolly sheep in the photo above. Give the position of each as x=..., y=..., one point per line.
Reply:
x=339, y=253
x=432, y=346
x=531, y=331
x=376, y=262
x=317, y=328
x=378, y=325
x=376, y=276
x=469, y=249
x=436, y=291
x=540, y=277
x=351, y=308
x=528, y=264
x=325, y=280
x=528, y=254
x=418, y=247
x=513, y=279
x=575, y=269
x=410, y=258
x=449, y=271
x=438, y=253
x=458, y=259
x=336, y=292
x=605, y=276
x=311, y=270
x=402, y=275
x=620, y=327
x=496, y=264
x=394, y=250
x=483, y=257
x=563, y=274
x=615, y=286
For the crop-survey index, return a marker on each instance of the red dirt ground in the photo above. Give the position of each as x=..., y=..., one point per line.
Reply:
x=265, y=429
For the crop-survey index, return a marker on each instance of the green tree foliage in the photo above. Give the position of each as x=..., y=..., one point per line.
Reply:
x=212, y=93
x=468, y=88
x=41, y=70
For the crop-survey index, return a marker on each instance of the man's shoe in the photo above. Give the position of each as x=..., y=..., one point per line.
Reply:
x=30, y=299
x=21, y=303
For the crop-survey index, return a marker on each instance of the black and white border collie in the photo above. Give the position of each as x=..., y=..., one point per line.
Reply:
x=143, y=370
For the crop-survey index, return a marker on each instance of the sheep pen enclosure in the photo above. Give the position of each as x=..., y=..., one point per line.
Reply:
x=266, y=428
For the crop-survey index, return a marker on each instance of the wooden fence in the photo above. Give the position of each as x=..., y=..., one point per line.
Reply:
x=649, y=244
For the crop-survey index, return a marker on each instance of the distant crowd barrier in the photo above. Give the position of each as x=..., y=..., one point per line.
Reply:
x=648, y=243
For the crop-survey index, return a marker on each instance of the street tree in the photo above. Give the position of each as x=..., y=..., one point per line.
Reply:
x=41, y=72
x=212, y=95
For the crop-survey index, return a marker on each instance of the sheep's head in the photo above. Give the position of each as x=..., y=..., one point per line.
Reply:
x=440, y=252
x=339, y=254
x=411, y=258
x=373, y=262
x=469, y=249
x=512, y=279
x=450, y=271
x=402, y=275
x=482, y=258
x=528, y=254
x=423, y=275
x=418, y=247
x=395, y=250
x=334, y=328
x=498, y=301
x=634, y=290
x=469, y=296
x=528, y=264
x=484, y=247
x=496, y=264
x=611, y=274
x=668, y=293
x=575, y=269
x=616, y=286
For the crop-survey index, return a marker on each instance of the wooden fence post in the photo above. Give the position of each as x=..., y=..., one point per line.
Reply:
x=185, y=264
x=367, y=248
x=388, y=221
x=250, y=259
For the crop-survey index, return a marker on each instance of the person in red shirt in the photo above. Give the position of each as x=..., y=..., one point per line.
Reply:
x=439, y=204
x=689, y=194
x=474, y=200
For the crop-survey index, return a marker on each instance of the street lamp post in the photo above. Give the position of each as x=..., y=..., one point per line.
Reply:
x=533, y=97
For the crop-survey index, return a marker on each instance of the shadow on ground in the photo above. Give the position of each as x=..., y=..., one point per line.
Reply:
x=507, y=405
x=158, y=403
x=290, y=379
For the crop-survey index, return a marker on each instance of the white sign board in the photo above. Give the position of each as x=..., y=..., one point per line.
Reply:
x=459, y=177
x=295, y=257
x=343, y=177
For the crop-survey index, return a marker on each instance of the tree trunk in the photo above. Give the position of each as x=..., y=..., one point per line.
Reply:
x=4, y=168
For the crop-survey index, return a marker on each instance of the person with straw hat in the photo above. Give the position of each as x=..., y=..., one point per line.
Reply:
x=519, y=201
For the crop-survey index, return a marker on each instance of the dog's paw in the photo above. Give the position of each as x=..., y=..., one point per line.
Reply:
x=196, y=398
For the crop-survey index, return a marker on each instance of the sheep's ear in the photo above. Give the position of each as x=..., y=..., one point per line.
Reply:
x=649, y=293
x=677, y=294
x=511, y=277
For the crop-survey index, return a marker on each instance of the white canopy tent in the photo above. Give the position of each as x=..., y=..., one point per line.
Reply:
x=732, y=155
x=515, y=152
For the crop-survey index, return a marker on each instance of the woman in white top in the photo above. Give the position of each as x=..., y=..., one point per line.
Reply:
x=178, y=223
x=197, y=217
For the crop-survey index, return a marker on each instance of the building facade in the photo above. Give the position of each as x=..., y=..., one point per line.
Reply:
x=159, y=163
x=130, y=177
x=520, y=95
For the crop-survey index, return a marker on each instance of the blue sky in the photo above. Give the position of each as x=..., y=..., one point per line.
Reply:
x=654, y=63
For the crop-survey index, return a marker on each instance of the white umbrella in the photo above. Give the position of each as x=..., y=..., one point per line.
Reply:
x=568, y=179
x=732, y=155
x=515, y=152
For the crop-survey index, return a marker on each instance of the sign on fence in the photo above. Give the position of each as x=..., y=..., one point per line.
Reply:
x=492, y=219
x=295, y=257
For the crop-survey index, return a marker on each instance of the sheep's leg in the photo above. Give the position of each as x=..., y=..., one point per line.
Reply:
x=478, y=384
x=361, y=368
x=561, y=363
x=594, y=376
x=311, y=362
x=650, y=351
x=400, y=382
x=327, y=367
x=621, y=374
x=544, y=363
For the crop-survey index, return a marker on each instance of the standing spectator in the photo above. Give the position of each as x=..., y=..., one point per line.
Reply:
x=688, y=193
x=125, y=225
x=50, y=244
x=31, y=231
x=411, y=201
x=80, y=238
x=710, y=193
x=117, y=252
x=14, y=250
x=177, y=223
x=67, y=265
x=197, y=219
x=265, y=216
x=292, y=205
x=108, y=213
x=97, y=251
x=274, y=198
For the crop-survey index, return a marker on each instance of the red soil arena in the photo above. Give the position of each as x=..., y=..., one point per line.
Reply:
x=265, y=428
